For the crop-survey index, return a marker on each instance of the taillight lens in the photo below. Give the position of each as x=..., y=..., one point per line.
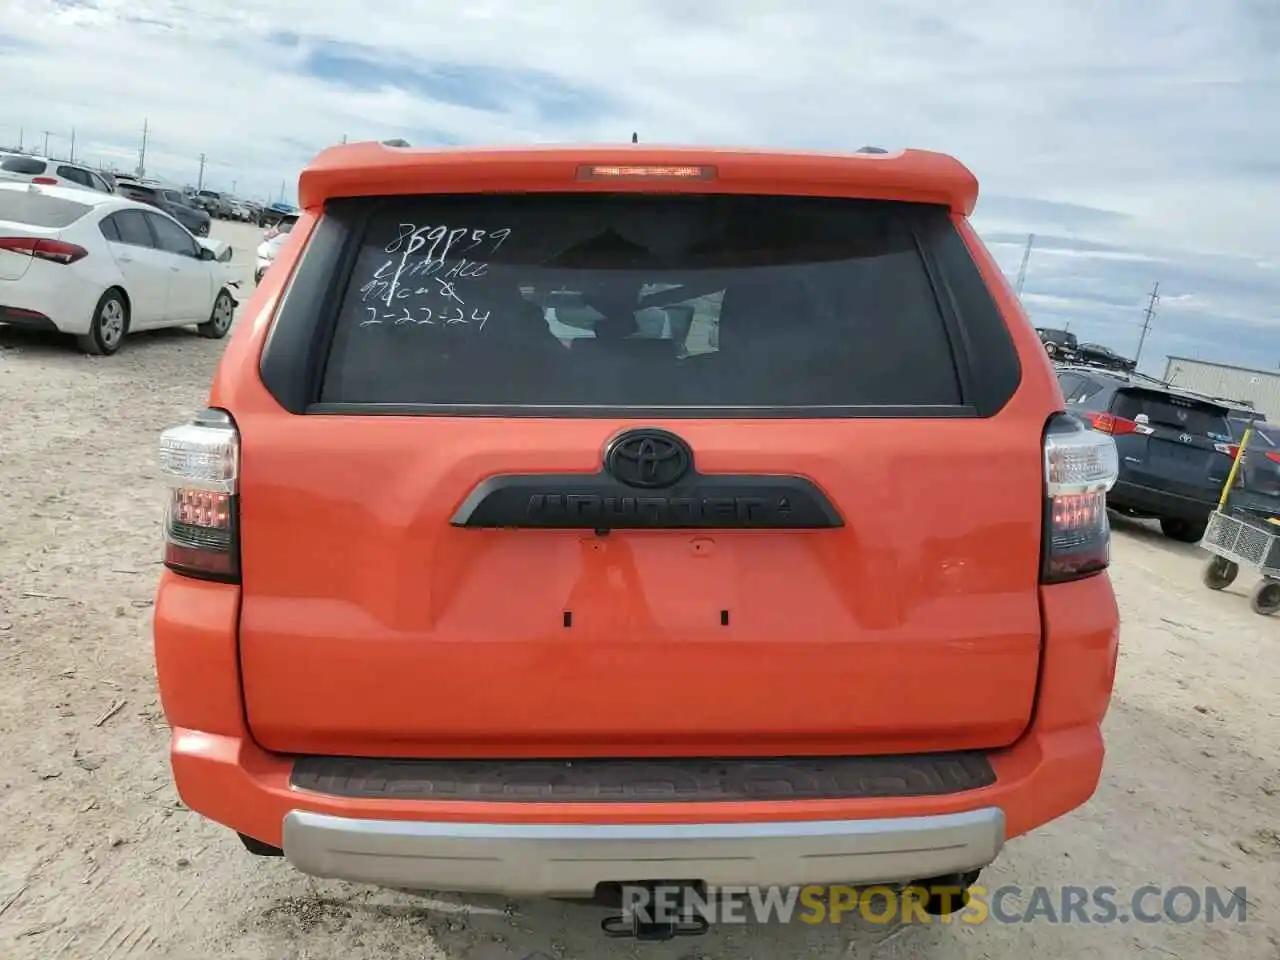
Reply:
x=1273, y=456
x=42, y=248
x=45, y=181
x=1115, y=426
x=201, y=464
x=1080, y=466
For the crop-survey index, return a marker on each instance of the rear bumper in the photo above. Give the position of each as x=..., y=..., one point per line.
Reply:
x=49, y=297
x=1161, y=503
x=531, y=848
x=26, y=319
x=571, y=859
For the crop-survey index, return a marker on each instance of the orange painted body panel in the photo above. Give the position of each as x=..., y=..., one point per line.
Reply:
x=370, y=169
x=367, y=625
x=375, y=628
x=222, y=773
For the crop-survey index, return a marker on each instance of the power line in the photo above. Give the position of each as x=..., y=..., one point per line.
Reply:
x=1146, y=320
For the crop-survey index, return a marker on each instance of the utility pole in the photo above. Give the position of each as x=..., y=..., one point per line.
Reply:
x=73, y=144
x=22, y=131
x=233, y=187
x=200, y=178
x=142, y=151
x=282, y=191
x=344, y=138
x=46, y=143
x=1022, y=270
x=1146, y=320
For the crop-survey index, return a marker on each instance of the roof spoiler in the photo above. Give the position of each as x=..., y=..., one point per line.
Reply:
x=374, y=169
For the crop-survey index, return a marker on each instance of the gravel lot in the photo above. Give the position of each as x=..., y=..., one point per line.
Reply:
x=99, y=859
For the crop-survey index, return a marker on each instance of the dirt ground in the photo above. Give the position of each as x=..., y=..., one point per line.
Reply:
x=99, y=859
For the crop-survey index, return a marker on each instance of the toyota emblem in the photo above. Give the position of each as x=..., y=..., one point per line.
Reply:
x=648, y=458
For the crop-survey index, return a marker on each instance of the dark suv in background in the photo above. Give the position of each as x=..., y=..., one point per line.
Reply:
x=1257, y=486
x=1175, y=447
x=1060, y=345
x=171, y=202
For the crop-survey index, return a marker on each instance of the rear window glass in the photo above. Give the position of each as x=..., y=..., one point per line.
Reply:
x=286, y=224
x=1190, y=416
x=135, y=192
x=40, y=210
x=26, y=166
x=642, y=301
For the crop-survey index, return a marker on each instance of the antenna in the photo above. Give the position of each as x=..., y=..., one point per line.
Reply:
x=1022, y=270
x=1146, y=320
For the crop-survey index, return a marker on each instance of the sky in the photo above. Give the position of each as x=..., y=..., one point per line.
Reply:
x=1138, y=141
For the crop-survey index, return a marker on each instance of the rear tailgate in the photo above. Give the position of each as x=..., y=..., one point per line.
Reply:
x=1183, y=444
x=29, y=213
x=815, y=545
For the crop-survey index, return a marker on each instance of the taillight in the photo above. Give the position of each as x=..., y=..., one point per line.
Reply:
x=271, y=234
x=45, y=181
x=1115, y=426
x=1232, y=450
x=42, y=248
x=201, y=464
x=1080, y=466
x=1273, y=456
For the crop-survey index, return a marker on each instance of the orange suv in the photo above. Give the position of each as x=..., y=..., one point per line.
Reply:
x=567, y=517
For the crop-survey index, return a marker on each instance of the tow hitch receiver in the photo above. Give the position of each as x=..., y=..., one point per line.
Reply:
x=655, y=911
x=635, y=926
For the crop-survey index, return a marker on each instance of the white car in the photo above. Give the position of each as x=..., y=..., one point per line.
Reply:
x=271, y=243
x=23, y=168
x=99, y=266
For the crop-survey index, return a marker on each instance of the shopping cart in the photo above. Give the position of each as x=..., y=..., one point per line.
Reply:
x=1236, y=537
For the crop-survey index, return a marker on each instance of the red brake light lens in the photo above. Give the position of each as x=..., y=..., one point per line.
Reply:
x=42, y=248
x=45, y=181
x=1273, y=456
x=1113, y=425
x=645, y=172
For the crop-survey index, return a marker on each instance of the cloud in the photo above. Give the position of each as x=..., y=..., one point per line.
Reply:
x=1132, y=139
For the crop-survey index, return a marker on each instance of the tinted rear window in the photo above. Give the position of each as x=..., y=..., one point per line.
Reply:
x=134, y=192
x=26, y=166
x=591, y=301
x=40, y=210
x=1191, y=416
